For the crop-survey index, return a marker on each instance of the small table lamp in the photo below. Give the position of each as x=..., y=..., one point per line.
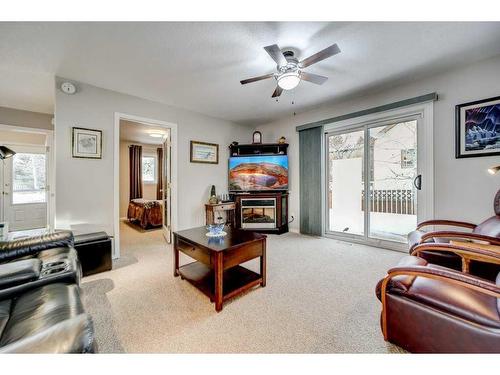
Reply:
x=6, y=152
x=494, y=170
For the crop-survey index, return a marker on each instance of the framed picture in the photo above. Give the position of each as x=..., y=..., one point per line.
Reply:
x=202, y=152
x=257, y=137
x=87, y=143
x=477, y=127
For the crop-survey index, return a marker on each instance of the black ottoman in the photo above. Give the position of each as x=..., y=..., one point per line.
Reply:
x=94, y=252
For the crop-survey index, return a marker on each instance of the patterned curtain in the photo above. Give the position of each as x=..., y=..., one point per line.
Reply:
x=135, y=159
x=159, y=185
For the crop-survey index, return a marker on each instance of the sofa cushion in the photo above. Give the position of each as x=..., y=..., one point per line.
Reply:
x=456, y=300
x=19, y=272
x=489, y=227
x=4, y=314
x=39, y=309
x=30, y=246
x=498, y=299
x=415, y=237
x=75, y=335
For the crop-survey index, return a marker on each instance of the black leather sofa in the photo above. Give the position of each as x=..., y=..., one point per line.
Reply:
x=40, y=305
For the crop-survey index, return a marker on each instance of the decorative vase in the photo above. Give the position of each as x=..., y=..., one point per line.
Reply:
x=213, y=197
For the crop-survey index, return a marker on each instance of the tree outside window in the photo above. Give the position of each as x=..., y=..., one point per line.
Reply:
x=28, y=178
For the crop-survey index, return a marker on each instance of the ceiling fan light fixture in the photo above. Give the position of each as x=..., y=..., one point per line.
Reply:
x=288, y=81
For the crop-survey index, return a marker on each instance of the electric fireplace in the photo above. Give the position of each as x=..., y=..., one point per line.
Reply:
x=257, y=213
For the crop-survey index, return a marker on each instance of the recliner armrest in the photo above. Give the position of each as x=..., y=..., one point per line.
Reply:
x=453, y=223
x=460, y=235
x=10, y=250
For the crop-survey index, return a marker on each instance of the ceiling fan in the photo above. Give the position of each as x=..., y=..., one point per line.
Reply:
x=290, y=70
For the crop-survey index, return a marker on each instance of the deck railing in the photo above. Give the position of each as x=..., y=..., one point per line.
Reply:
x=391, y=201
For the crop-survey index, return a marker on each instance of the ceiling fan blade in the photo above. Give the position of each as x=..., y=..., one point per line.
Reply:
x=321, y=55
x=255, y=79
x=313, y=78
x=276, y=54
x=277, y=92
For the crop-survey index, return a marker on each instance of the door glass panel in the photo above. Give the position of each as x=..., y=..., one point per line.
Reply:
x=28, y=178
x=392, y=170
x=345, y=183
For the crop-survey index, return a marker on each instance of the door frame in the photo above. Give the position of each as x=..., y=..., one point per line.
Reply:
x=116, y=171
x=424, y=113
x=51, y=167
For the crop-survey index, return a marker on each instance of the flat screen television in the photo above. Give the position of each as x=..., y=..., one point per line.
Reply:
x=258, y=173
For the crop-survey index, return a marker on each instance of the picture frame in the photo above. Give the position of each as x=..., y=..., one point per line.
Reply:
x=86, y=143
x=203, y=152
x=477, y=128
x=257, y=137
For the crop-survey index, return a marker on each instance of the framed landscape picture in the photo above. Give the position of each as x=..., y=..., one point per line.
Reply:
x=477, y=126
x=87, y=143
x=202, y=152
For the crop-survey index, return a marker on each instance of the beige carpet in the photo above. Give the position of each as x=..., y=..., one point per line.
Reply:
x=319, y=298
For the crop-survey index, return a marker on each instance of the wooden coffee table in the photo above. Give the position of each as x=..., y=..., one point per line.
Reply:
x=217, y=271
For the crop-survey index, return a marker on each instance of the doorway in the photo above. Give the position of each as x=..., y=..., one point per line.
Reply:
x=26, y=199
x=379, y=178
x=145, y=157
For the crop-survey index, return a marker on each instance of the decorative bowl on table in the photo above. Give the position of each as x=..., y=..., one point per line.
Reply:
x=216, y=230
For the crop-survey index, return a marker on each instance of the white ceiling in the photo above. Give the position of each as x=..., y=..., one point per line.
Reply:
x=140, y=133
x=198, y=66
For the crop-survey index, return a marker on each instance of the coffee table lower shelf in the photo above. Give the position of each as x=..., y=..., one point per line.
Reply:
x=236, y=280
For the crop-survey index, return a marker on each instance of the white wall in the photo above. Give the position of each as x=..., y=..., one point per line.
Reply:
x=462, y=188
x=84, y=195
x=16, y=137
x=17, y=117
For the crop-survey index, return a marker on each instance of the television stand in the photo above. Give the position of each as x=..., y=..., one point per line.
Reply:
x=263, y=212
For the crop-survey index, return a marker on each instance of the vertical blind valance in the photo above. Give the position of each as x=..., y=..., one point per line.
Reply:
x=386, y=107
x=311, y=197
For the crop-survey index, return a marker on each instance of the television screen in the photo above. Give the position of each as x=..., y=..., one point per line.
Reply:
x=251, y=173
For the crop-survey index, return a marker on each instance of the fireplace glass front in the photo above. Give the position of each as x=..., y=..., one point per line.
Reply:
x=258, y=213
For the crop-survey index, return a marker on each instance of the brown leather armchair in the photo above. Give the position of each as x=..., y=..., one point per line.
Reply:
x=487, y=231
x=431, y=309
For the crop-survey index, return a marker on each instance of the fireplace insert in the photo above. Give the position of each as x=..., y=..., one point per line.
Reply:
x=258, y=213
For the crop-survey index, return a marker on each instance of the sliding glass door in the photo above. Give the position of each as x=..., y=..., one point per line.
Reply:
x=372, y=181
x=392, y=199
x=345, y=182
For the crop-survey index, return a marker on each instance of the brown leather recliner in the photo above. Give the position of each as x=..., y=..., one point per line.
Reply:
x=487, y=231
x=431, y=309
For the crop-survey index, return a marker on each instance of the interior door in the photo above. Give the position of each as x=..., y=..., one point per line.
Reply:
x=167, y=190
x=24, y=188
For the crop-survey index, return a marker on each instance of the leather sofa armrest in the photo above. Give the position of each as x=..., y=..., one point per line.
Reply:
x=22, y=247
x=452, y=223
x=442, y=274
x=447, y=275
x=74, y=335
x=401, y=283
x=19, y=272
x=460, y=235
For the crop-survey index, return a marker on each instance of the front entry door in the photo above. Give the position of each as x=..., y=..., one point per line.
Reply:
x=24, y=190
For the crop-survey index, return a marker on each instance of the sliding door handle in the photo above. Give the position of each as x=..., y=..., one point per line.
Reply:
x=417, y=182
